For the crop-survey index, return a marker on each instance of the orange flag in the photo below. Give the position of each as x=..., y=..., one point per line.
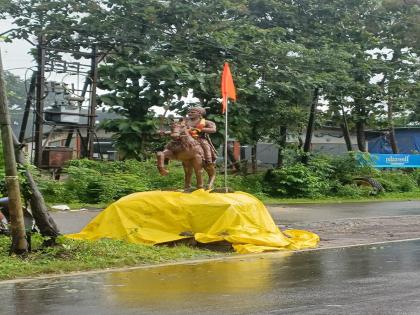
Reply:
x=228, y=88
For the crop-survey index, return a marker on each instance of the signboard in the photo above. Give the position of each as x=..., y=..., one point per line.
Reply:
x=390, y=160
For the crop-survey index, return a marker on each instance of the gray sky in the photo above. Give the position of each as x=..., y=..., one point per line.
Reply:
x=16, y=54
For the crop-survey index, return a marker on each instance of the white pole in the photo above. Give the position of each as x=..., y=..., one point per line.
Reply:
x=226, y=144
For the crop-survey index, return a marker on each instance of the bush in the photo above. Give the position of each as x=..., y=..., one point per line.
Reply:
x=102, y=182
x=296, y=181
x=253, y=184
x=347, y=167
x=323, y=176
x=415, y=174
x=53, y=191
x=352, y=191
x=397, y=181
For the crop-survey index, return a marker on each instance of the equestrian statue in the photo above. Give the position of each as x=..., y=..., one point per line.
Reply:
x=192, y=146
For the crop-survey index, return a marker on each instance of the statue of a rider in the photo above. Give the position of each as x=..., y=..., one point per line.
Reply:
x=199, y=129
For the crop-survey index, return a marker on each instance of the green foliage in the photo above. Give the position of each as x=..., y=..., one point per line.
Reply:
x=296, y=181
x=333, y=176
x=351, y=191
x=54, y=191
x=279, y=52
x=15, y=88
x=72, y=255
x=91, y=182
x=397, y=181
x=101, y=182
x=94, y=182
x=416, y=176
x=253, y=184
x=343, y=168
x=24, y=186
x=131, y=137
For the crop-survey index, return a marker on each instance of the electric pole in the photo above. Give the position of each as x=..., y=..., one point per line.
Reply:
x=39, y=105
x=19, y=244
x=92, y=105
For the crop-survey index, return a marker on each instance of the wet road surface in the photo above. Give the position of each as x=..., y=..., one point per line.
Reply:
x=374, y=279
x=322, y=212
x=73, y=222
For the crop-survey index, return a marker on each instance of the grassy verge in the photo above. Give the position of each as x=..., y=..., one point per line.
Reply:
x=72, y=255
x=400, y=196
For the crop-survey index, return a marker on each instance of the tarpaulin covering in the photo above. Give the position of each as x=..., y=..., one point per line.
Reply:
x=156, y=217
x=408, y=141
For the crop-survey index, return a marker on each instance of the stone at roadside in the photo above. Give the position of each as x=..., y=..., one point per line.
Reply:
x=60, y=207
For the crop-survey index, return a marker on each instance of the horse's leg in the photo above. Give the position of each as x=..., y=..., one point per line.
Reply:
x=161, y=156
x=197, y=164
x=187, y=174
x=211, y=172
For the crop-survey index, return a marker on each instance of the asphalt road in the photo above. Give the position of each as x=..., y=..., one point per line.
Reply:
x=72, y=222
x=379, y=279
x=284, y=214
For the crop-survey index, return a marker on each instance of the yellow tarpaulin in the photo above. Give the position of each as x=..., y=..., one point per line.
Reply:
x=163, y=216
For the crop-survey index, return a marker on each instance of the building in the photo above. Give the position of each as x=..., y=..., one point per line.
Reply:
x=325, y=140
x=408, y=140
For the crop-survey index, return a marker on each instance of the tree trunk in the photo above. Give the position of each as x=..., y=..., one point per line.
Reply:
x=361, y=137
x=282, y=146
x=360, y=124
x=254, y=158
x=43, y=219
x=345, y=128
x=19, y=244
x=392, y=138
x=310, y=127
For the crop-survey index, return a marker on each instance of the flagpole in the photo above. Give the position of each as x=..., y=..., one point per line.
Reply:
x=228, y=91
x=226, y=143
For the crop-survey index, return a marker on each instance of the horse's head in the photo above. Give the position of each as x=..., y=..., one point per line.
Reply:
x=178, y=128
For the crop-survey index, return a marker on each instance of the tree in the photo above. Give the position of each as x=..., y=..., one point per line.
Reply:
x=280, y=53
x=16, y=90
x=19, y=244
x=401, y=66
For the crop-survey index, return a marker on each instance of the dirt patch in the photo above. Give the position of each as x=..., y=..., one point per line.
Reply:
x=344, y=232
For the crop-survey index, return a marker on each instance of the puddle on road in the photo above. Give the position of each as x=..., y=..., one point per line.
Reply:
x=225, y=278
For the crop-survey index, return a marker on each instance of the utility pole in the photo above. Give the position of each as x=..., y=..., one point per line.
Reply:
x=25, y=118
x=19, y=244
x=39, y=105
x=92, y=105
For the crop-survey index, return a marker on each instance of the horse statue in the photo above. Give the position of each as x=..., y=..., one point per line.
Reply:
x=183, y=147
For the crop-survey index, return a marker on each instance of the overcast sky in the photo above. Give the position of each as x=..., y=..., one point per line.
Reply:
x=16, y=54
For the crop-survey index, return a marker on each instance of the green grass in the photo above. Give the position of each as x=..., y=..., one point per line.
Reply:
x=390, y=196
x=71, y=255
